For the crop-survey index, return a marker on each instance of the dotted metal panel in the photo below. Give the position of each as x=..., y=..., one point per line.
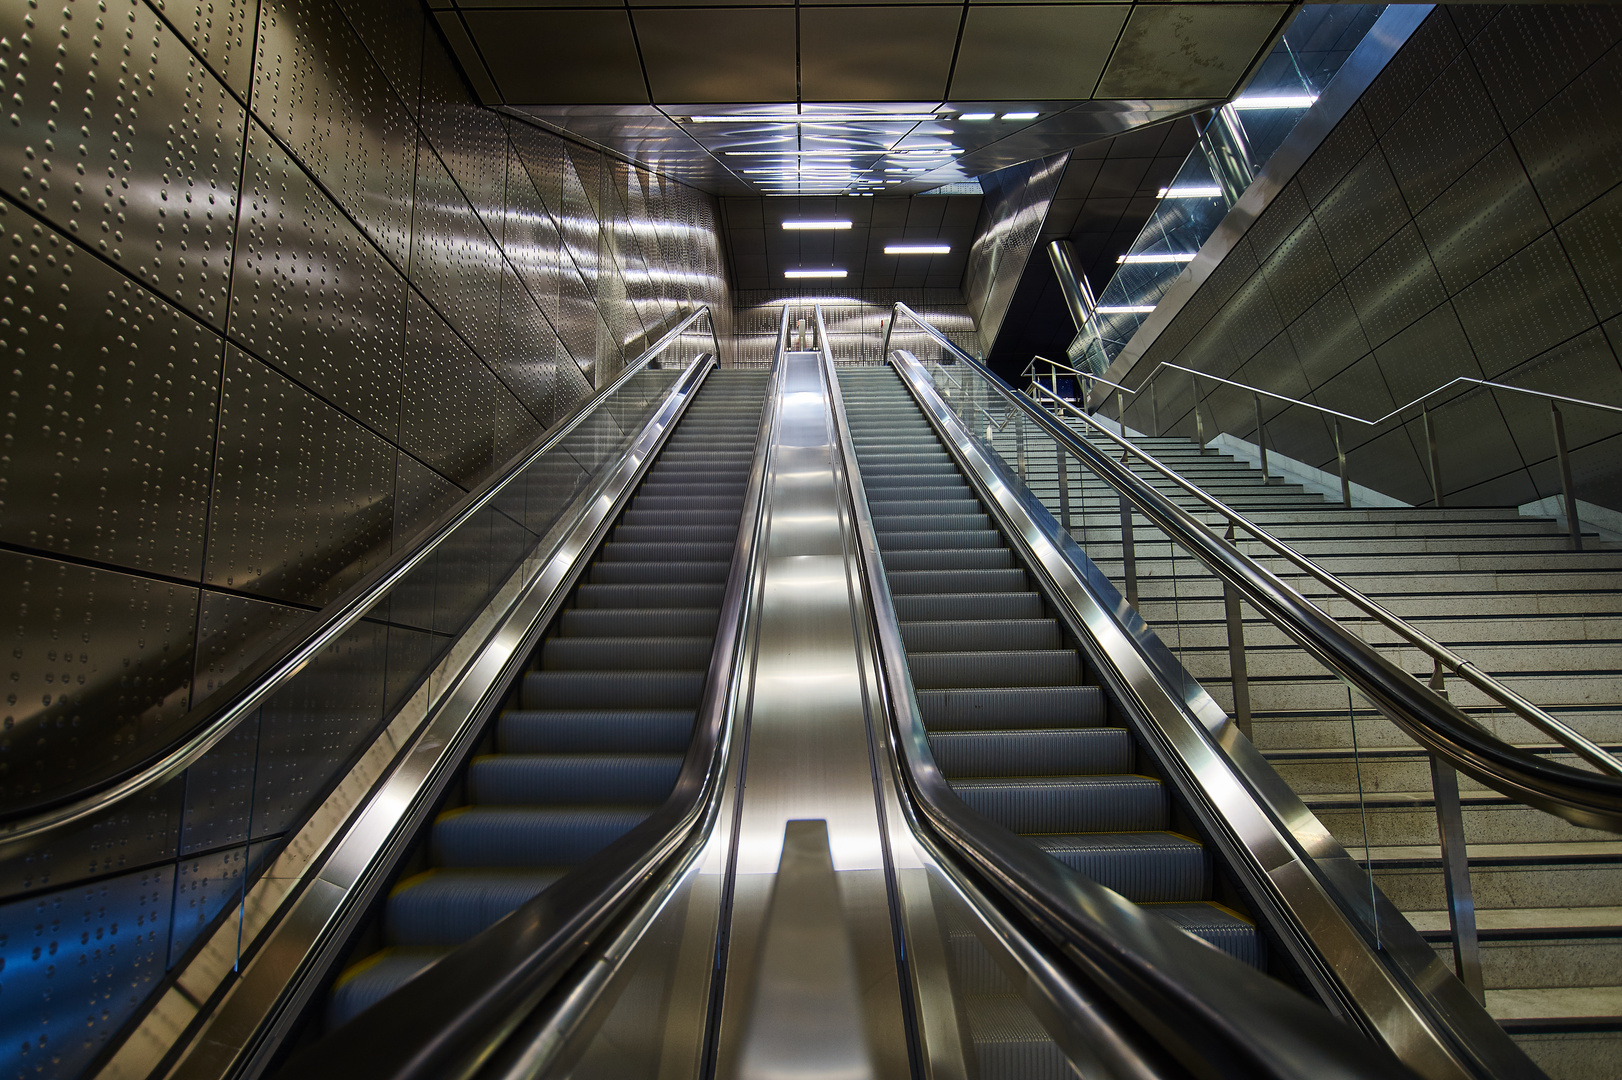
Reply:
x=1394, y=286
x=77, y=963
x=576, y=324
x=1488, y=215
x=1415, y=66
x=1446, y=132
x=311, y=728
x=219, y=31
x=1327, y=338
x=1572, y=146
x=578, y=225
x=1525, y=57
x=1530, y=303
x=1584, y=367
x=205, y=886
x=471, y=140
x=1361, y=212
x=526, y=351
x=112, y=401
x=137, y=832
x=420, y=496
x=529, y=236
x=138, y=162
x=392, y=32
x=1593, y=241
x=453, y=260
x=98, y=671
x=311, y=295
x=1334, y=158
x=1299, y=272
x=301, y=492
x=317, y=89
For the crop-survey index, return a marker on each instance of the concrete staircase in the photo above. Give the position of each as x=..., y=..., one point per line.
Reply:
x=1505, y=591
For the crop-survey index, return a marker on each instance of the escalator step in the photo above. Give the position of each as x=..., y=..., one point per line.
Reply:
x=940, y=635
x=511, y=779
x=949, y=557
x=651, y=573
x=618, y=550
x=374, y=979
x=561, y=731
x=916, y=541
x=958, y=581
x=1144, y=867
x=1015, y=707
x=665, y=622
x=1033, y=752
x=618, y=597
x=627, y=654
x=967, y=670
x=475, y=836
x=1228, y=931
x=615, y=690
x=1070, y=804
x=447, y=907
x=966, y=607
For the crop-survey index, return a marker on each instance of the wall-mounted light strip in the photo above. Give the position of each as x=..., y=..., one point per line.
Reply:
x=917, y=249
x=1275, y=101
x=1020, y=115
x=1189, y=192
x=817, y=225
x=808, y=118
x=813, y=273
x=977, y=116
x=1124, y=309
x=1159, y=257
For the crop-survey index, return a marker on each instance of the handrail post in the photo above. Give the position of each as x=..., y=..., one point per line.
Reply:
x=1064, y=484
x=1567, y=493
x=1019, y=444
x=1435, y=457
x=1154, y=407
x=1261, y=435
x=1129, y=554
x=1461, y=905
x=1340, y=455
x=1237, y=668
x=1199, y=422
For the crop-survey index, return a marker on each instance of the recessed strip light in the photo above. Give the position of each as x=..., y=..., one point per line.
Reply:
x=1020, y=115
x=977, y=116
x=813, y=273
x=805, y=153
x=1276, y=101
x=1189, y=192
x=1124, y=309
x=917, y=249
x=816, y=224
x=1159, y=257
x=810, y=118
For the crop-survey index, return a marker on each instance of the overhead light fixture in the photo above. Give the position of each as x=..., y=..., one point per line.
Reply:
x=803, y=153
x=810, y=118
x=1159, y=257
x=977, y=116
x=1275, y=101
x=917, y=249
x=1124, y=309
x=816, y=224
x=813, y=273
x=1189, y=192
x=1020, y=115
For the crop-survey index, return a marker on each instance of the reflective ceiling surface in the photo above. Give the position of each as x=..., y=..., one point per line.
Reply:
x=824, y=99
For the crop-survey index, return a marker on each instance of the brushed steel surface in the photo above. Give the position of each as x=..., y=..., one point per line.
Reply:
x=141, y=169
x=454, y=261
x=111, y=402
x=807, y=754
x=220, y=32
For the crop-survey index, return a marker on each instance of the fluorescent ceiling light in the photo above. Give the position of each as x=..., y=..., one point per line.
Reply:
x=1276, y=101
x=1190, y=192
x=809, y=118
x=977, y=116
x=813, y=273
x=803, y=153
x=817, y=225
x=1020, y=115
x=1124, y=309
x=917, y=249
x=1159, y=257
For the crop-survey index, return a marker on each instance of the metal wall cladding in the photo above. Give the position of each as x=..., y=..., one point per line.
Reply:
x=110, y=423
x=99, y=671
x=311, y=295
x=253, y=352
x=288, y=524
x=1427, y=239
x=124, y=140
x=320, y=94
x=1011, y=218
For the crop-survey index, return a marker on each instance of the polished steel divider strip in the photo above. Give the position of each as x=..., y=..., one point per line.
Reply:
x=1440, y=1034
x=222, y=1015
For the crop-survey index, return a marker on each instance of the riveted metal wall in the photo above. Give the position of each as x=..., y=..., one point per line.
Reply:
x=855, y=319
x=1463, y=219
x=277, y=292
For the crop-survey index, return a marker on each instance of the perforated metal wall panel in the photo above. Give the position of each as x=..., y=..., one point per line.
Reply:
x=1463, y=219
x=253, y=351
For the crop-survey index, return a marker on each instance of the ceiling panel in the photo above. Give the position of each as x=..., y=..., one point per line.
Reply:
x=850, y=53
x=718, y=54
x=592, y=55
x=1017, y=52
x=1188, y=50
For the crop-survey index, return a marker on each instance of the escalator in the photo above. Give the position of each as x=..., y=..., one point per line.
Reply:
x=595, y=739
x=1016, y=725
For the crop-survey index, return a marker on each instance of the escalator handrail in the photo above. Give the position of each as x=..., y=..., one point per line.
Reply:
x=449, y=1019
x=217, y=715
x=1585, y=798
x=1210, y=1010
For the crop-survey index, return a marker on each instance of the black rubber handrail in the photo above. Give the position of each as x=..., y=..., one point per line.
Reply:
x=218, y=714
x=1212, y=1012
x=448, y=1020
x=1584, y=798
